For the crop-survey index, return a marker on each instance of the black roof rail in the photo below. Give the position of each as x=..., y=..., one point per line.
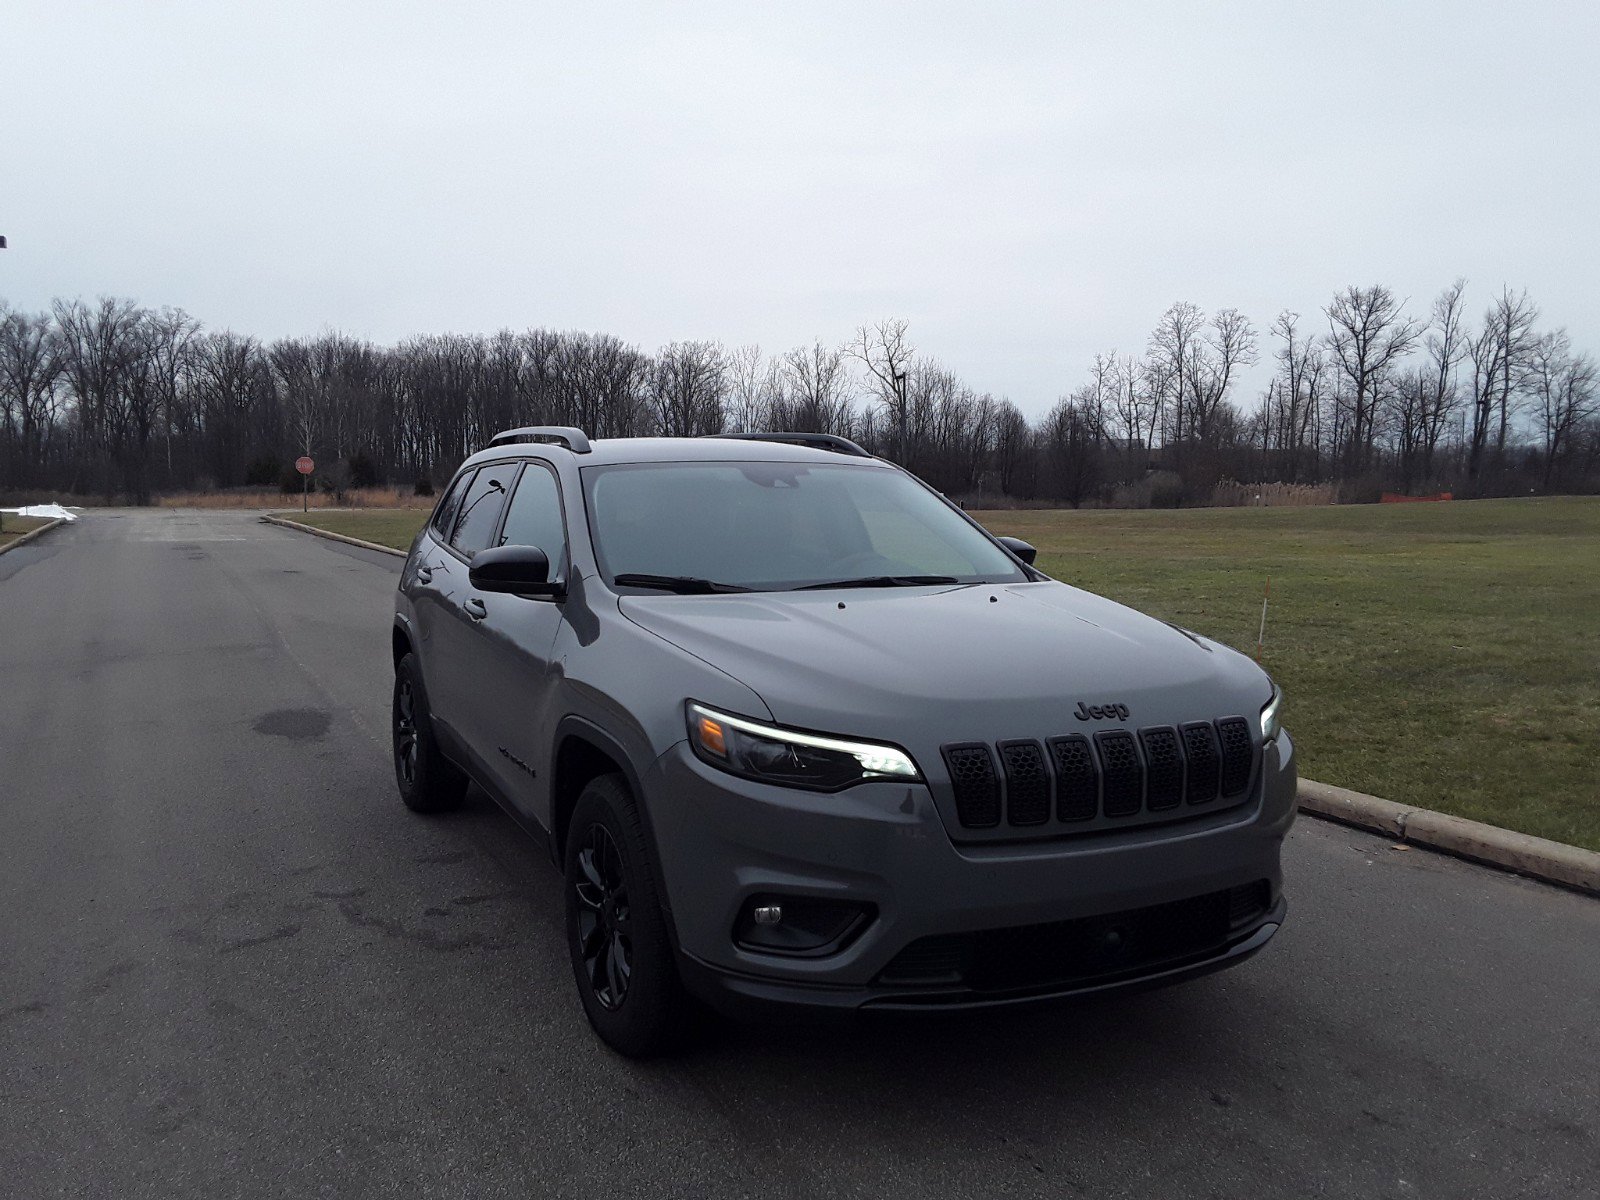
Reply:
x=817, y=441
x=573, y=439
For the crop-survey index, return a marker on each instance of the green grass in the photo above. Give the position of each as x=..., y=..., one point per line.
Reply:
x=1443, y=655
x=12, y=527
x=386, y=526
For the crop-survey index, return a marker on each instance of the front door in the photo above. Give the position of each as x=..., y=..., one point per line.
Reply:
x=513, y=696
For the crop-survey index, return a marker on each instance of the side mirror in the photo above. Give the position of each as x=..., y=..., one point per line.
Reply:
x=515, y=570
x=1020, y=548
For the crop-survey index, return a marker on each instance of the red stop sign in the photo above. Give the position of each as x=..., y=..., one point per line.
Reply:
x=304, y=465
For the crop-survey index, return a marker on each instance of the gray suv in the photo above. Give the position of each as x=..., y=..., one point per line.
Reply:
x=803, y=737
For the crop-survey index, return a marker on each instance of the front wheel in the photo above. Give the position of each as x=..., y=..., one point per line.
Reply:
x=616, y=933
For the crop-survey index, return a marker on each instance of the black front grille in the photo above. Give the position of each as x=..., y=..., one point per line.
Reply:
x=977, y=787
x=1163, y=767
x=1238, y=755
x=1027, y=783
x=1101, y=781
x=1081, y=950
x=1122, y=771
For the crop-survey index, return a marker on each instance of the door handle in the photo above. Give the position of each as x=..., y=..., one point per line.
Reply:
x=476, y=609
x=424, y=574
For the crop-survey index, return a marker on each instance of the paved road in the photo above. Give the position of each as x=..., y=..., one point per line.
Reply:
x=232, y=963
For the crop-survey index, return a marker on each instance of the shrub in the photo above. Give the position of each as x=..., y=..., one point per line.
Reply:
x=363, y=471
x=261, y=472
x=424, y=487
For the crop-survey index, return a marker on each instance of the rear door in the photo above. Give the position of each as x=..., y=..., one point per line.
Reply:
x=431, y=573
x=461, y=609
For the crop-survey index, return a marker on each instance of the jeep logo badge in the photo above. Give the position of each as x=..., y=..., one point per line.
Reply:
x=1101, y=712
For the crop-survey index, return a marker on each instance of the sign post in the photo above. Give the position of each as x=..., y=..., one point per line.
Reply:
x=305, y=466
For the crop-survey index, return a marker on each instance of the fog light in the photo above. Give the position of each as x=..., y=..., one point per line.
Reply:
x=799, y=924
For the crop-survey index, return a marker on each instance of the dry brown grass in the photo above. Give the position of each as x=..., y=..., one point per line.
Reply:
x=1232, y=494
x=378, y=497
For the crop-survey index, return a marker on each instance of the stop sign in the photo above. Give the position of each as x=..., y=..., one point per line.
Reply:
x=304, y=465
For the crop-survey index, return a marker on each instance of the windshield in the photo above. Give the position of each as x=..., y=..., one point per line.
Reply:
x=779, y=526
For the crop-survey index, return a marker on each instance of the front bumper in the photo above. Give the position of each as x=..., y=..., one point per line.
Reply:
x=722, y=841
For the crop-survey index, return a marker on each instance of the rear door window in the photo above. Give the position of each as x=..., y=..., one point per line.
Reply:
x=480, y=508
x=444, y=516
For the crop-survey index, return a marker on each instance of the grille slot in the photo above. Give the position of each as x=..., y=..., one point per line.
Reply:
x=1077, y=779
x=1123, y=772
x=1027, y=783
x=977, y=787
x=1164, y=768
x=1237, y=754
x=1205, y=763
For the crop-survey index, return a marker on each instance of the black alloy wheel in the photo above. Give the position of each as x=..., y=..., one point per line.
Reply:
x=605, y=921
x=405, y=732
x=617, y=937
x=428, y=781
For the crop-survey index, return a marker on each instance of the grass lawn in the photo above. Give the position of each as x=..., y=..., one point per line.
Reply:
x=1444, y=655
x=386, y=526
x=12, y=526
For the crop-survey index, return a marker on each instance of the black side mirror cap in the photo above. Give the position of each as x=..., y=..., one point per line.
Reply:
x=513, y=570
x=1020, y=548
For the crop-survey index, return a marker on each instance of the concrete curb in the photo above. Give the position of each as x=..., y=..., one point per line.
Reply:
x=29, y=536
x=1538, y=858
x=332, y=537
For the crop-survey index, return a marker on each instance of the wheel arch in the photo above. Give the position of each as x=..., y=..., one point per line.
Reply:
x=584, y=751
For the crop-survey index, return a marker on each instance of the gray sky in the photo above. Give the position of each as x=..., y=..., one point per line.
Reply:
x=1026, y=184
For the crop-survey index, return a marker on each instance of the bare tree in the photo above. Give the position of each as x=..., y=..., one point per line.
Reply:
x=1564, y=390
x=687, y=388
x=886, y=353
x=1367, y=333
x=1447, y=344
x=30, y=366
x=816, y=391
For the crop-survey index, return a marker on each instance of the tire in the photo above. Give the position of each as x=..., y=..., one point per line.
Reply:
x=622, y=958
x=428, y=781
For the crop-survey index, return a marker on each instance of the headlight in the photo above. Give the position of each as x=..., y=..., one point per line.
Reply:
x=1270, y=723
x=791, y=758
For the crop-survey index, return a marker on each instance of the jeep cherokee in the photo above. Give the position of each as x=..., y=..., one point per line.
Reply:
x=802, y=736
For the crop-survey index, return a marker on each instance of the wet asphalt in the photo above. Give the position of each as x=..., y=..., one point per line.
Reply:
x=232, y=964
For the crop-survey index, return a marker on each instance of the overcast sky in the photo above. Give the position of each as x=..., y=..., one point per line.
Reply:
x=1026, y=184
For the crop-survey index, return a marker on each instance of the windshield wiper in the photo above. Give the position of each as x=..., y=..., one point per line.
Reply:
x=684, y=585
x=879, y=581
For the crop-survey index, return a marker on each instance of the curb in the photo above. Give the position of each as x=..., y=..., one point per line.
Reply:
x=1539, y=858
x=31, y=534
x=332, y=537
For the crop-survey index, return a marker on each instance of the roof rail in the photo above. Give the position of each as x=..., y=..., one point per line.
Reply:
x=816, y=441
x=573, y=439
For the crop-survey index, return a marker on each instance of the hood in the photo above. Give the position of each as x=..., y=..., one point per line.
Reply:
x=980, y=663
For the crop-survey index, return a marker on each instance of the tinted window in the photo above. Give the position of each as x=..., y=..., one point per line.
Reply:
x=481, y=508
x=781, y=525
x=445, y=517
x=534, y=518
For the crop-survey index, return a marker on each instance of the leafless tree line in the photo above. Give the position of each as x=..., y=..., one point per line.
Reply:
x=113, y=398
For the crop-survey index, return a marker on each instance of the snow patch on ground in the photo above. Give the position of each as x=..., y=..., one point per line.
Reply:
x=50, y=512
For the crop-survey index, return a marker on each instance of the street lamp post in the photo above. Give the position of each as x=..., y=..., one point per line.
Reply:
x=900, y=417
